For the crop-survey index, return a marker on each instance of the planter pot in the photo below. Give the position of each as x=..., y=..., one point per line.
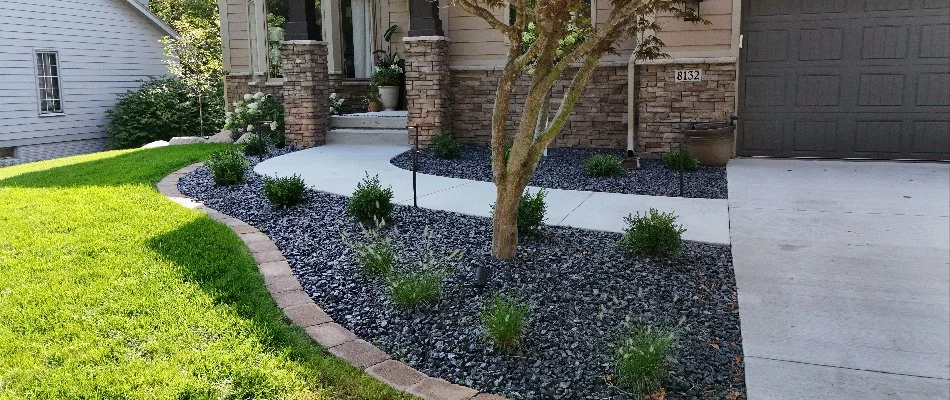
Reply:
x=374, y=107
x=389, y=96
x=711, y=144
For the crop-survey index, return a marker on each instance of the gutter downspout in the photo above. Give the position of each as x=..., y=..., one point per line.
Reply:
x=632, y=106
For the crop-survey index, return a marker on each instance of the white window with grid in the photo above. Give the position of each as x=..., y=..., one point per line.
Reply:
x=47, y=79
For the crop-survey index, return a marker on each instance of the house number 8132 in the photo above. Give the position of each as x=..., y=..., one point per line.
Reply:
x=689, y=75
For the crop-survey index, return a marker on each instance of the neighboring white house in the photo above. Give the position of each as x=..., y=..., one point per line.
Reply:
x=62, y=64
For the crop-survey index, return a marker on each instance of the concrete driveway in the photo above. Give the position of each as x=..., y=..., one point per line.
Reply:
x=843, y=270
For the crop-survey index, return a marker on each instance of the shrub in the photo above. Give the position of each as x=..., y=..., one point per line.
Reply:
x=336, y=104
x=256, y=111
x=505, y=321
x=370, y=202
x=375, y=254
x=160, y=109
x=641, y=359
x=603, y=165
x=446, y=147
x=285, y=192
x=653, y=234
x=413, y=289
x=227, y=167
x=255, y=145
x=531, y=213
x=680, y=160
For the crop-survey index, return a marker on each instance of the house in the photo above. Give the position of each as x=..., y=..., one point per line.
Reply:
x=808, y=78
x=62, y=64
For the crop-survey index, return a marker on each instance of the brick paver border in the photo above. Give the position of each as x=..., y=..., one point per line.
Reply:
x=302, y=311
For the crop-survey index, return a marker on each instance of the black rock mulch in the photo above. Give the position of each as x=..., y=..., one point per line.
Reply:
x=581, y=289
x=563, y=168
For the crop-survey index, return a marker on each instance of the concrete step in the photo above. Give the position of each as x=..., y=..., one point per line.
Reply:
x=392, y=137
x=371, y=120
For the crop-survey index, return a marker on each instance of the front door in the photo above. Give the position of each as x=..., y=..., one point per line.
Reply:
x=358, y=37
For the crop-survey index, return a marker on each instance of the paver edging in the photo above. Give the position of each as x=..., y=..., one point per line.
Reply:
x=302, y=311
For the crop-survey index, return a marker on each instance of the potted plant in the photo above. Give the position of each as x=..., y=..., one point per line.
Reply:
x=712, y=143
x=387, y=79
x=373, y=104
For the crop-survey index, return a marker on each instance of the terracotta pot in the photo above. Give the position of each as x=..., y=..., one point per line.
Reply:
x=711, y=146
x=374, y=106
x=389, y=96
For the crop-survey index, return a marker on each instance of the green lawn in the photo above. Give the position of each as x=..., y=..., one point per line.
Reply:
x=109, y=290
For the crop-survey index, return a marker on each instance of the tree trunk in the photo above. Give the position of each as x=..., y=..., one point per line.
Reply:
x=201, y=116
x=505, y=224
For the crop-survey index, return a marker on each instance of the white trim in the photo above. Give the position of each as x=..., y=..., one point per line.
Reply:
x=152, y=17
x=225, y=36
x=688, y=60
x=59, y=80
x=424, y=39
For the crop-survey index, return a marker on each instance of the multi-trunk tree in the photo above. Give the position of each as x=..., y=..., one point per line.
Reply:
x=544, y=44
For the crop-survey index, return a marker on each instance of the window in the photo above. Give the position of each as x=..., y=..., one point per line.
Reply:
x=47, y=78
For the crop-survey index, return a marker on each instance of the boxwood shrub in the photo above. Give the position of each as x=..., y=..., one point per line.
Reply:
x=286, y=191
x=371, y=203
x=227, y=166
x=603, y=165
x=653, y=234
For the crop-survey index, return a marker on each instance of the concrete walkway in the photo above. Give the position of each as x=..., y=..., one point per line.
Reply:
x=337, y=168
x=843, y=271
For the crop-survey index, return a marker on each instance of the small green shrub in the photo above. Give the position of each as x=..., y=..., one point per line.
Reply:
x=653, y=234
x=375, y=254
x=285, y=192
x=680, y=159
x=531, y=213
x=255, y=145
x=505, y=320
x=413, y=289
x=370, y=202
x=603, y=165
x=446, y=147
x=641, y=359
x=227, y=167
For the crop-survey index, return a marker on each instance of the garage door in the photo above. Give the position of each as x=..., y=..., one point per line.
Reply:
x=845, y=79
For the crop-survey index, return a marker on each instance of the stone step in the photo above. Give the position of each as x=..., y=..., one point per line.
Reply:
x=392, y=137
x=371, y=120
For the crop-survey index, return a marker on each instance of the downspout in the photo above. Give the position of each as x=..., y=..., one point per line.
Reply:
x=632, y=106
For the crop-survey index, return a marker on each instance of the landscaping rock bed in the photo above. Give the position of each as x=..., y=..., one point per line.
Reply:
x=582, y=292
x=563, y=168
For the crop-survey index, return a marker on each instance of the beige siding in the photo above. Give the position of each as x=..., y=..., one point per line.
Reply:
x=685, y=39
x=472, y=41
x=399, y=16
x=238, y=37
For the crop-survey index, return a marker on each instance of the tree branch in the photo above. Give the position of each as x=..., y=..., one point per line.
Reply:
x=472, y=7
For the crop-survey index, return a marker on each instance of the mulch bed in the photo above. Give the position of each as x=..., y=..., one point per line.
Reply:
x=582, y=290
x=563, y=168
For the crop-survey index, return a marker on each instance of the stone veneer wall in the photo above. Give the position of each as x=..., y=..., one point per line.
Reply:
x=428, y=86
x=306, y=92
x=351, y=90
x=664, y=106
x=599, y=119
x=236, y=86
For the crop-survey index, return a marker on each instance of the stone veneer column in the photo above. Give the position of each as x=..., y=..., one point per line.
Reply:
x=306, y=92
x=427, y=86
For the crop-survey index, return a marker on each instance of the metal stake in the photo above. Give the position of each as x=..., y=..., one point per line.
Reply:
x=415, y=165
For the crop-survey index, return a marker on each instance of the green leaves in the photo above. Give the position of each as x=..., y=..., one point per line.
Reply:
x=653, y=234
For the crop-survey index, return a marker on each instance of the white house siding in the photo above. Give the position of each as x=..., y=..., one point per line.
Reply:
x=106, y=47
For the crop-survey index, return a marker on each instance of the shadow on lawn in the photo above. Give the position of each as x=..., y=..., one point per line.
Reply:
x=135, y=167
x=212, y=256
